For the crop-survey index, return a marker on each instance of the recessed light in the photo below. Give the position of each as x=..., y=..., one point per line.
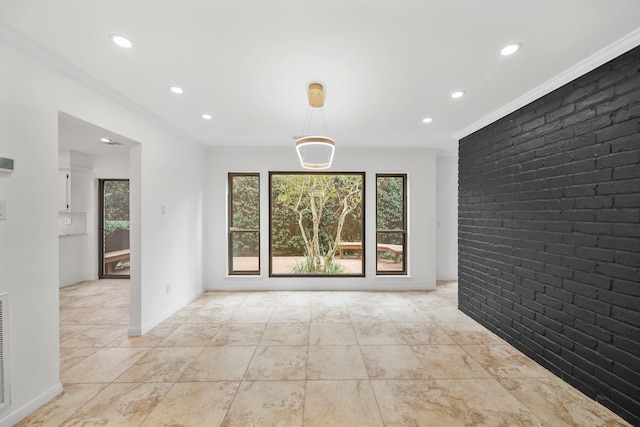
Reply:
x=121, y=41
x=427, y=120
x=510, y=49
x=207, y=116
x=457, y=94
x=176, y=89
x=105, y=140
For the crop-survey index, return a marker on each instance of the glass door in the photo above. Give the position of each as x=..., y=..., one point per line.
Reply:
x=114, y=249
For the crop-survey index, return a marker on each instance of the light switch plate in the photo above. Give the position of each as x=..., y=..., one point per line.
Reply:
x=3, y=210
x=67, y=220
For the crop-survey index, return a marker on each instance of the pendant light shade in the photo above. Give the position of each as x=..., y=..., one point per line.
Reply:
x=315, y=152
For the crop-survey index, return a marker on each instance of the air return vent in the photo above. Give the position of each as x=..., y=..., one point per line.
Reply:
x=4, y=351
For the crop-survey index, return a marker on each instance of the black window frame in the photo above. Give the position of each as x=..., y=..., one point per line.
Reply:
x=403, y=231
x=363, y=231
x=231, y=230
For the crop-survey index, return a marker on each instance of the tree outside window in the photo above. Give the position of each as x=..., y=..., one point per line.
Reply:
x=316, y=223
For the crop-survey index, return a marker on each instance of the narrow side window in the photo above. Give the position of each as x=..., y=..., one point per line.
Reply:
x=244, y=223
x=391, y=224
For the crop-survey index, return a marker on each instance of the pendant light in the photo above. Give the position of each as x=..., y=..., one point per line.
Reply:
x=315, y=152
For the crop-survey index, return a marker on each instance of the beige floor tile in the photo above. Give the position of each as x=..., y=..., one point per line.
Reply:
x=219, y=364
x=362, y=299
x=335, y=362
x=255, y=314
x=504, y=361
x=278, y=363
x=332, y=334
x=383, y=333
x=95, y=336
x=267, y=403
x=485, y=402
x=67, y=331
x=105, y=365
x=183, y=315
x=329, y=314
x=393, y=362
x=285, y=334
x=300, y=299
x=227, y=299
x=558, y=404
x=72, y=356
x=239, y=334
x=193, y=405
x=414, y=403
x=470, y=333
x=368, y=314
x=150, y=339
x=328, y=299
x=289, y=314
x=160, y=365
x=449, y=361
x=342, y=340
x=408, y=315
x=446, y=314
x=191, y=335
x=260, y=299
x=61, y=407
x=341, y=403
x=90, y=316
x=120, y=405
x=212, y=315
x=423, y=333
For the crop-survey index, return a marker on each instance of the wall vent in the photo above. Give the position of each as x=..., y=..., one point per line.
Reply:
x=4, y=351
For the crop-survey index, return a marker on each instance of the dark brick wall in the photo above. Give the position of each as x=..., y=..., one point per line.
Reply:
x=549, y=232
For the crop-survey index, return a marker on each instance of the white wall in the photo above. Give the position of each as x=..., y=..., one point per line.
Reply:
x=168, y=170
x=447, y=184
x=419, y=164
x=76, y=255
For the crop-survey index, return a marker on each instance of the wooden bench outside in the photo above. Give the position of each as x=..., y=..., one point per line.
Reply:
x=396, y=250
x=351, y=246
x=111, y=259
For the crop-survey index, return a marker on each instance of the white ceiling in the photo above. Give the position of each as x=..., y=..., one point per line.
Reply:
x=385, y=64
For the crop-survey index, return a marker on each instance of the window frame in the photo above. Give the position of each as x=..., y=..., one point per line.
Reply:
x=231, y=231
x=404, y=231
x=363, y=231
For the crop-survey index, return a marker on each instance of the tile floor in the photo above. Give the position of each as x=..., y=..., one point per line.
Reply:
x=299, y=359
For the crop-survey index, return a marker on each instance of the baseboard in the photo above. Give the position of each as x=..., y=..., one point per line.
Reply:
x=136, y=332
x=31, y=406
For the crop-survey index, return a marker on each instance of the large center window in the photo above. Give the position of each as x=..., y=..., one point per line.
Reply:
x=316, y=224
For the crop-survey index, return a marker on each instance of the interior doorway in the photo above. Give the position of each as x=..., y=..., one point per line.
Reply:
x=114, y=246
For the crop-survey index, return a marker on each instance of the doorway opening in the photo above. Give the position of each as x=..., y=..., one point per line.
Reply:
x=113, y=229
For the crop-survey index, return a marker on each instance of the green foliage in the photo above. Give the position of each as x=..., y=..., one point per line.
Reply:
x=110, y=227
x=116, y=200
x=305, y=266
x=308, y=266
x=390, y=203
x=334, y=268
x=245, y=212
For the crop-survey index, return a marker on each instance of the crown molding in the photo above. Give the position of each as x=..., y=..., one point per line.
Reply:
x=70, y=71
x=599, y=58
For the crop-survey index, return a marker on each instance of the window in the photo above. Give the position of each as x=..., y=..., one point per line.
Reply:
x=316, y=224
x=391, y=224
x=244, y=223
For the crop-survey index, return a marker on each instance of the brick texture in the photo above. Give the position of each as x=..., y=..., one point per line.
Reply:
x=549, y=232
